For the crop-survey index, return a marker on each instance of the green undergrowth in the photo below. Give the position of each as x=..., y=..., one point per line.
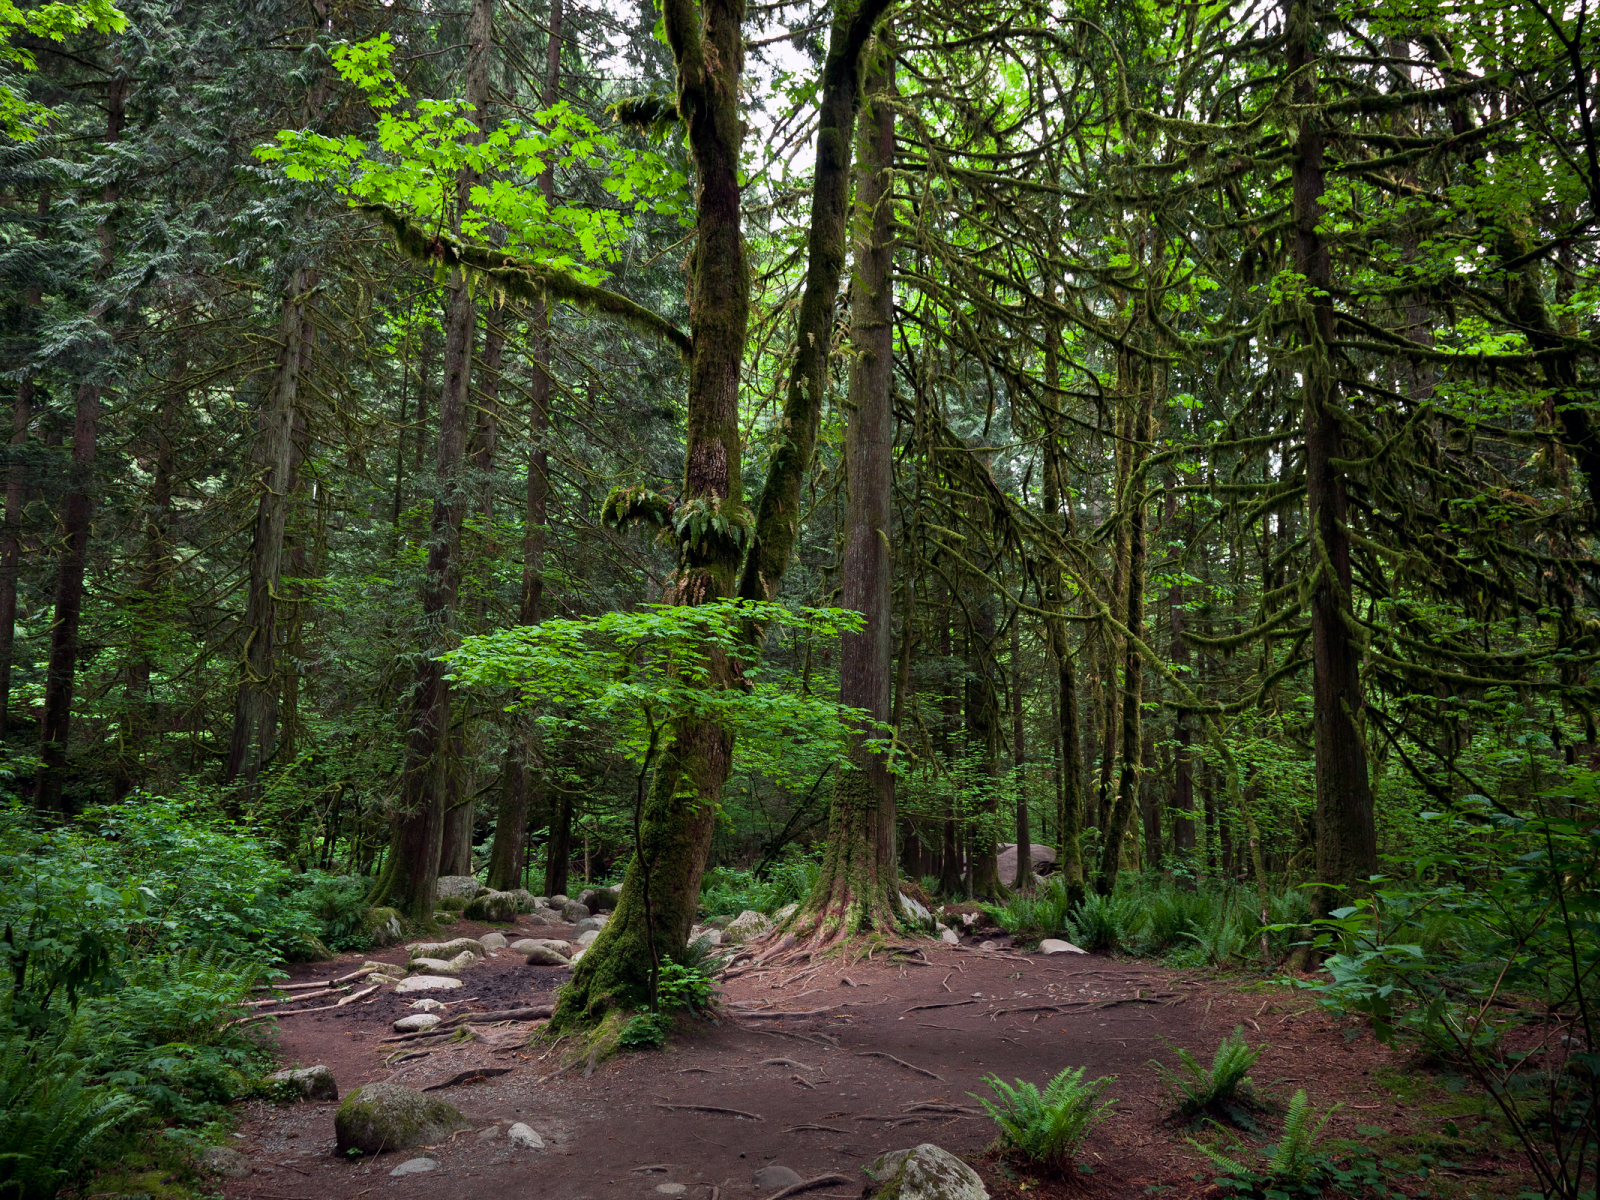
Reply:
x=789, y=879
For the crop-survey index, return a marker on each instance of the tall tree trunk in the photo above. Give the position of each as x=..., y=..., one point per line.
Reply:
x=517, y=796
x=11, y=540
x=1347, y=848
x=1024, y=876
x=62, y=671
x=255, y=713
x=950, y=869
x=983, y=739
x=411, y=876
x=1183, y=841
x=661, y=890
x=856, y=888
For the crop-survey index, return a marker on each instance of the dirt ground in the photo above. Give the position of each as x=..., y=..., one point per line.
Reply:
x=821, y=1070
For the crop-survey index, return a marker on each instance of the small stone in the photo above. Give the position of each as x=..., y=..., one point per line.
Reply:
x=546, y=956
x=672, y=1189
x=915, y=910
x=775, y=1175
x=1057, y=946
x=416, y=1023
x=539, y=919
x=582, y=950
x=987, y=945
x=225, y=1160
x=426, y=1004
x=424, y=983
x=787, y=911
x=414, y=1166
x=388, y=970
x=948, y=937
x=447, y=950
x=493, y=941
x=711, y=937
x=311, y=1083
x=525, y=1136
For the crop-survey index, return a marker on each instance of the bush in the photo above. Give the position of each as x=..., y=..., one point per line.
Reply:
x=1197, y=1089
x=1101, y=922
x=725, y=891
x=1033, y=915
x=1293, y=1163
x=1046, y=1128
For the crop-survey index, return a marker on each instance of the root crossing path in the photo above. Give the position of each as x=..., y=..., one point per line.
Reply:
x=818, y=1069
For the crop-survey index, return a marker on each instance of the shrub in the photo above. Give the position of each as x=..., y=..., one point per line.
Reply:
x=1033, y=914
x=1198, y=1089
x=1293, y=1163
x=724, y=890
x=1100, y=922
x=1046, y=1127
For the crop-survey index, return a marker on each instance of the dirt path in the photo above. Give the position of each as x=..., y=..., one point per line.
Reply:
x=888, y=1064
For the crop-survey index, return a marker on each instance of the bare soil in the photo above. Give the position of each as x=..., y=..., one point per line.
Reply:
x=878, y=1055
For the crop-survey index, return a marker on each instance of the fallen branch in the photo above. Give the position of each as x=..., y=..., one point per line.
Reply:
x=464, y=1076
x=354, y=996
x=785, y=1062
x=1134, y=1000
x=818, y=1128
x=804, y=1012
x=942, y=1004
x=928, y=1106
x=354, y=975
x=808, y=1185
x=902, y=1062
x=711, y=1108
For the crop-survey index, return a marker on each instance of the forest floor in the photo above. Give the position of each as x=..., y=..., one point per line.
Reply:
x=825, y=1092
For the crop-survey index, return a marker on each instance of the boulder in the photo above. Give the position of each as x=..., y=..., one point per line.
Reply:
x=915, y=910
x=558, y=900
x=465, y=959
x=448, y=950
x=599, y=900
x=497, y=908
x=415, y=1166
x=1044, y=861
x=384, y=926
x=556, y=944
x=948, y=937
x=524, y=1136
x=588, y=923
x=572, y=912
x=436, y=966
x=925, y=1172
x=526, y=900
x=544, y=956
x=493, y=941
x=784, y=913
x=391, y=970
x=307, y=1083
x=387, y=1116
x=1057, y=946
x=748, y=924
x=446, y=918
x=225, y=1160
x=775, y=1175
x=540, y=902
x=426, y=1004
x=416, y=1022
x=540, y=918
x=586, y=938
x=711, y=937
x=457, y=887
x=425, y=983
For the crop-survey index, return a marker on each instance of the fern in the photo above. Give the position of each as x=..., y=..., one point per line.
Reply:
x=51, y=1122
x=1046, y=1128
x=1197, y=1089
x=1100, y=922
x=1293, y=1163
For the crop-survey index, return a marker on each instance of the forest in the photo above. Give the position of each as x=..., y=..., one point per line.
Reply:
x=843, y=475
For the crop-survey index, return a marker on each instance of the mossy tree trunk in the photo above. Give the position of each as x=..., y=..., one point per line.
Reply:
x=856, y=889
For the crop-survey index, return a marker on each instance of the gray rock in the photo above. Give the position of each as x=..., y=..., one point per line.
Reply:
x=426, y=1004
x=311, y=1083
x=558, y=900
x=775, y=1175
x=586, y=939
x=672, y=1189
x=387, y=1116
x=524, y=1136
x=544, y=956
x=465, y=960
x=416, y=1022
x=526, y=900
x=949, y=937
x=746, y=925
x=543, y=918
x=489, y=1133
x=415, y=1166
x=916, y=911
x=588, y=923
x=493, y=941
x=784, y=913
x=599, y=900
x=718, y=923
x=425, y=983
x=225, y=1160
x=448, y=950
x=457, y=887
x=446, y=918
x=711, y=937
x=925, y=1172
x=1057, y=946
x=572, y=912
x=498, y=908
x=436, y=966
x=1044, y=860
x=384, y=926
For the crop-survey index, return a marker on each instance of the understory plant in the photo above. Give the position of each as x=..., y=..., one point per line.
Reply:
x=1046, y=1127
x=1101, y=922
x=1218, y=1089
x=1293, y=1166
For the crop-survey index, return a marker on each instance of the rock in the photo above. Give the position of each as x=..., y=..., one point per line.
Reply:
x=1044, y=861
x=383, y=972
x=1057, y=946
x=528, y=944
x=544, y=956
x=925, y=1173
x=784, y=913
x=558, y=900
x=746, y=925
x=671, y=1189
x=311, y=1083
x=524, y=1136
x=718, y=923
x=426, y=1004
x=384, y=926
x=307, y=948
x=915, y=910
x=457, y=887
x=387, y=1116
x=586, y=939
x=594, y=923
x=711, y=937
x=498, y=908
x=424, y=983
x=464, y=960
x=581, y=951
x=225, y=1160
x=775, y=1175
x=948, y=937
x=436, y=966
x=526, y=900
x=988, y=945
x=572, y=912
x=448, y=950
x=600, y=900
x=415, y=1166
x=489, y=1133
x=540, y=902
x=539, y=919
x=446, y=918
x=493, y=941
x=416, y=1022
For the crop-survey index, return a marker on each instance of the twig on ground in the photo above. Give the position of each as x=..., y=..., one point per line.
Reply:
x=354, y=996
x=902, y=1062
x=807, y=1185
x=711, y=1108
x=941, y=1004
x=818, y=1128
x=779, y=1062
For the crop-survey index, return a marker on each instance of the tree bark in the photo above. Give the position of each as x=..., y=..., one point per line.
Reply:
x=62, y=670
x=1024, y=875
x=1347, y=850
x=11, y=541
